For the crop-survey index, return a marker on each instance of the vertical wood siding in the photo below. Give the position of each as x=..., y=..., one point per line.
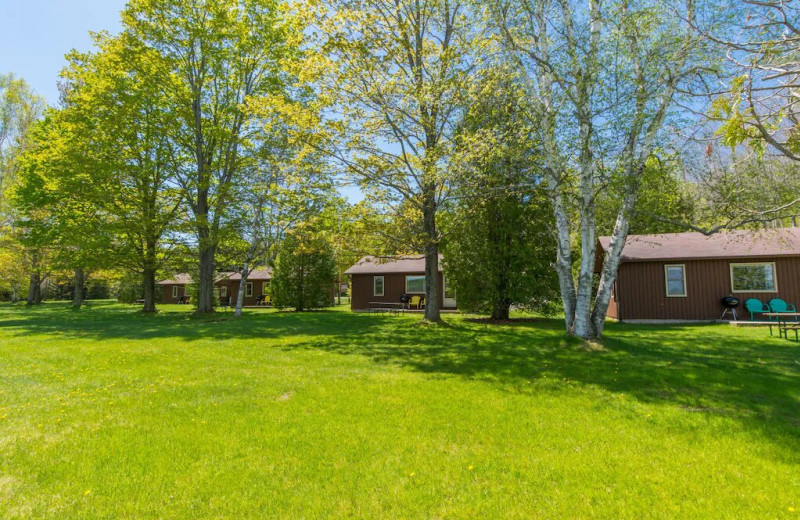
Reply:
x=641, y=289
x=166, y=292
x=394, y=288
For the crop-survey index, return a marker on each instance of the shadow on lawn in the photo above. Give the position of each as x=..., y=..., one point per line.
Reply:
x=703, y=369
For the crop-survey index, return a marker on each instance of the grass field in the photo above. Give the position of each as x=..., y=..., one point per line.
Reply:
x=106, y=413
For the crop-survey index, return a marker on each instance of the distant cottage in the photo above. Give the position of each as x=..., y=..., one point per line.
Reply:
x=378, y=280
x=684, y=276
x=256, y=289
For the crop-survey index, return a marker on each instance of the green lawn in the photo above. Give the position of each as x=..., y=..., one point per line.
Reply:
x=107, y=413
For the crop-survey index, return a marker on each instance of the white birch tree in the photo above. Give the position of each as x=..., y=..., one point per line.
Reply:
x=602, y=77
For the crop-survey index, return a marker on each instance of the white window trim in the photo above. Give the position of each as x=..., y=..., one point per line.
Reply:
x=248, y=289
x=666, y=280
x=416, y=276
x=223, y=291
x=774, y=277
x=383, y=285
x=174, y=291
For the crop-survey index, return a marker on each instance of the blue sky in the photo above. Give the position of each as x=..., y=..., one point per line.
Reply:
x=36, y=34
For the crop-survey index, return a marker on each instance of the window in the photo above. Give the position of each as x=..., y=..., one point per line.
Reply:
x=248, y=289
x=174, y=291
x=675, y=276
x=758, y=277
x=223, y=291
x=415, y=284
x=265, y=288
x=377, y=286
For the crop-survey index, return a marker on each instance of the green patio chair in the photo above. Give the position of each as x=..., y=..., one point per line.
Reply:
x=755, y=306
x=778, y=305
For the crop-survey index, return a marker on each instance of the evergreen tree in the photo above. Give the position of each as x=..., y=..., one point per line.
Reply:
x=500, y=245
x=304, y=275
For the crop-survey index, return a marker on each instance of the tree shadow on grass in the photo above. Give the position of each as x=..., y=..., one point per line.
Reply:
x=700, y=369
x=743, y=374
x=106, y=321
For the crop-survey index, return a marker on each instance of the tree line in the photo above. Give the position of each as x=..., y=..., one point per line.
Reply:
x=507, y=134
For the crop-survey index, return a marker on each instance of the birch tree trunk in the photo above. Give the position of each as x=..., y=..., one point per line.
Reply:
x=611, y=264
x=240, y=292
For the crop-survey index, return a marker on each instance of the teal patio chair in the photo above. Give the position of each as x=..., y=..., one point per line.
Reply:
x=755, y=306
x=778, y=305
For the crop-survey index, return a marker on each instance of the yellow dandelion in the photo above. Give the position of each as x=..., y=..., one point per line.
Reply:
x=471, y=468
x=791, y=510
x=411, y=474
x=86, y=493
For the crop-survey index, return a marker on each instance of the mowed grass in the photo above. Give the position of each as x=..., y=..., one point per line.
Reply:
x=107, y=413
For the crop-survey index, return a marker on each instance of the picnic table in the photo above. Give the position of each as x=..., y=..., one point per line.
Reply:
x=387, y=307
x=785, y=321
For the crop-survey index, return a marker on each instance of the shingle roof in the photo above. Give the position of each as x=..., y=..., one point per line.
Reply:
x=696, y=246
x=255, y=274
x=401, y=264
x=186, y=278
x=179, y=279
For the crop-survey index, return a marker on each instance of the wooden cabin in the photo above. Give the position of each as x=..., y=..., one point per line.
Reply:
x=685, y=276
x=227, y=283
x=174, y=289
x=377, y=280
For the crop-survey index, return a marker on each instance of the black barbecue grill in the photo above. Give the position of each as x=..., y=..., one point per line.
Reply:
x=730, y=303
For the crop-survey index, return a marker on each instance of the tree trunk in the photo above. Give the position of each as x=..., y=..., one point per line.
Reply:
x=301, y=297
x=583, y=304
x=240, y=292
x=611, y=264
x=501, y=310
x=14, y=292
x=432, y=313
x=149, y=272
x=205, y=292
x=77, y=294
x=149, y=286
x=35, y=289
x=564, y=260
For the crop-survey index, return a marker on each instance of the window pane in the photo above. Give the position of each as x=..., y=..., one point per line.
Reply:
x=415, y=284
x=676, y=285
x=378, y=286
x=753, y=277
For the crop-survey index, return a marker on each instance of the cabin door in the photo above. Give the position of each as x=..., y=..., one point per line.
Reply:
x=449, y=299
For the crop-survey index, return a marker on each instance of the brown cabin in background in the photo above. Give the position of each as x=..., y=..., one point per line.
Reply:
x=386, y=281
x=227, y=283
x=684, y=276
x=174, y=289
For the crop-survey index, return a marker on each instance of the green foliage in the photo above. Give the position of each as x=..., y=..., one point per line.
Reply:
x=304, y=274
x=666, y=203
x=500, y=246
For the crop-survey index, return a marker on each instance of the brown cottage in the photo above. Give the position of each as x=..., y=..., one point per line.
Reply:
x=386, y=281
x=174, y=290
x=684, y=276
